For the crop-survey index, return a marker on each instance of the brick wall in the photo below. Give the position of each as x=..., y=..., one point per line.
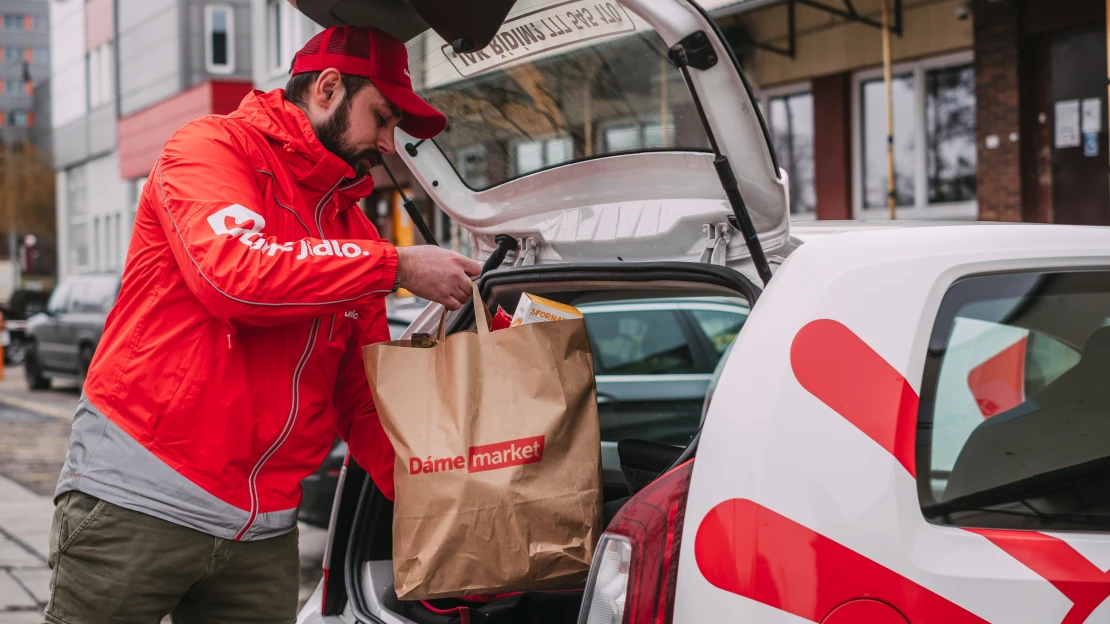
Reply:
x=832, y=145
x=997, y=68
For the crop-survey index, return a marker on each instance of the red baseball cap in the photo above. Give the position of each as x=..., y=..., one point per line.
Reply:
x=370, y=53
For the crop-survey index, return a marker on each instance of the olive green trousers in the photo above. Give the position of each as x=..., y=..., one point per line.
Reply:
x=117, y=566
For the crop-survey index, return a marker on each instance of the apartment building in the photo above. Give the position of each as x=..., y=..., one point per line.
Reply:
x=24, y=63
x=144, y=72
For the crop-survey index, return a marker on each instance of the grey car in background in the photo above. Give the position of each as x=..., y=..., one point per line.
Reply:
x=61, y=340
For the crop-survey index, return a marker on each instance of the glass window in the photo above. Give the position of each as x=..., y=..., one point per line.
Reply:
x=40, y=23
x=617, y=92
x=721, y=327
x=950, y=133
x=219, y=50
x=274, y=30
x=13, y=22
x=40, y=56
x=1015, y=407
x=94, y=295
x=639, y=342
x=873, y=142
x=791, y=124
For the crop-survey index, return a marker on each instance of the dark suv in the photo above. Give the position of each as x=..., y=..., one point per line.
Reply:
x=61, y=341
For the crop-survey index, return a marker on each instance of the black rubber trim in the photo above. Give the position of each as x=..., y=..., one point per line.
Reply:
x=335, y=596
x=367, y=500
x=614, y=271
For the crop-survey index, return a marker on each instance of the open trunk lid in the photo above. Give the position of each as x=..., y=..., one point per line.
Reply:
x=574, y=132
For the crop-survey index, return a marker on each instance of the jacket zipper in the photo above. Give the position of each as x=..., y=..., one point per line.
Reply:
x=252, y=482
x=320, y=226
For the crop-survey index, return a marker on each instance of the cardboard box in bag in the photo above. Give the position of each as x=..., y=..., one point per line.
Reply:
x=497, y=471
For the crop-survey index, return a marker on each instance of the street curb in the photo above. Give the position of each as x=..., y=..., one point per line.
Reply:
x=37, y=408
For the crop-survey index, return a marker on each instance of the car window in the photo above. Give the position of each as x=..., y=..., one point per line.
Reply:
x=101, y=294
x=638, y=342
x=93, y=295
x=77, y=297
x=59, y=299
x=720, y=326
x=1015, y=411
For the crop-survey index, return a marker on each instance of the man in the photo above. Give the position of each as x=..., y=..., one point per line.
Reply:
x=232, y=357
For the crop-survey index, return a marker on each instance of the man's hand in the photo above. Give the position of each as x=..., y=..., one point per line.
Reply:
x=436, y=274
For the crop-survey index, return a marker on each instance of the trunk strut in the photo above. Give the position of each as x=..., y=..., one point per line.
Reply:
x=697, y=51
x=414, y=214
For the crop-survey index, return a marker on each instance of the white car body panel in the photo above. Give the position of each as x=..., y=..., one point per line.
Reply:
x=787, y=451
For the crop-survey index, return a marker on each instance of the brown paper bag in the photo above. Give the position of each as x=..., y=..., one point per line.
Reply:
x=497, y=476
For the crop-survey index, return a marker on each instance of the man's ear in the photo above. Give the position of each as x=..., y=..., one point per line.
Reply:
x=328, y=88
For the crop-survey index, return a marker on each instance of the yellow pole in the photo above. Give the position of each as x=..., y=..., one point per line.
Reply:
x=588, y=114
x=890, y=185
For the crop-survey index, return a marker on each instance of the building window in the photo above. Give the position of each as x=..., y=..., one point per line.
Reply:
x=789, y=115
x=274, y=29
x=40, y=56
x=21, y=119
x=950, y=133
x=13, y=22
x=934, y=140
x=99, y=83
x=219, y=40
x=77, y=213
x=40, y=23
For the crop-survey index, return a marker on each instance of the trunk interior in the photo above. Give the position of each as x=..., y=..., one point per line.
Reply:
x=659, y=332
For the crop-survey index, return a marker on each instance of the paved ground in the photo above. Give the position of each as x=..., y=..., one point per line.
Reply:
x=35, y=426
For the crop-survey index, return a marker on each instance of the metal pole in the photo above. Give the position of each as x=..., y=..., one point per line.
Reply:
x=890, y=185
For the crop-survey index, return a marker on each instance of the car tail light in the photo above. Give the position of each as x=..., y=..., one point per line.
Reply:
x=635, y=567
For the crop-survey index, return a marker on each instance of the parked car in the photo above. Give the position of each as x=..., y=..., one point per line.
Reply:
x=62, y=339
x=23, y=305
x=653, y=360
x=910, y=426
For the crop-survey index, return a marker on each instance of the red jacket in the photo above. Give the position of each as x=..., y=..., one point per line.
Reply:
x=232, y=356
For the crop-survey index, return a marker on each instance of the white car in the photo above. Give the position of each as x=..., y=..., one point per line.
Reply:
x=913, y=424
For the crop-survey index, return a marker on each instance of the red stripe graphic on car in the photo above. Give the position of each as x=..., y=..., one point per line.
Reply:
x=845, y=373
x=1057, y=562
x=834, y=365
x=749, y=550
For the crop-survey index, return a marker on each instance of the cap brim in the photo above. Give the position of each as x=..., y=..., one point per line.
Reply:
x=420, y=119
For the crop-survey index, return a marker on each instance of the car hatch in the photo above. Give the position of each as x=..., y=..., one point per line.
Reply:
x=575, y=132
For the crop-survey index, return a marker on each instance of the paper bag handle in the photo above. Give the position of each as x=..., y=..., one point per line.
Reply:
x=481, y=313
x=442, y=326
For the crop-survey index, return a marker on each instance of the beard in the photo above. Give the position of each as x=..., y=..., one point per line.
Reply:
x=332, y=134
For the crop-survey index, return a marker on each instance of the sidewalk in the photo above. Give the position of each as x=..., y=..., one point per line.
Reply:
x=24, y=543
x=59, y=402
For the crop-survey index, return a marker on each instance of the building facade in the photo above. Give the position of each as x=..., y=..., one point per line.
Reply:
x=144, y=71
x=999, y=105
x=24, y=63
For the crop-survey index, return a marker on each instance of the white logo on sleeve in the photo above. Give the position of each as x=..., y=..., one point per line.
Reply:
x=246, y=224
x=236, y=220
